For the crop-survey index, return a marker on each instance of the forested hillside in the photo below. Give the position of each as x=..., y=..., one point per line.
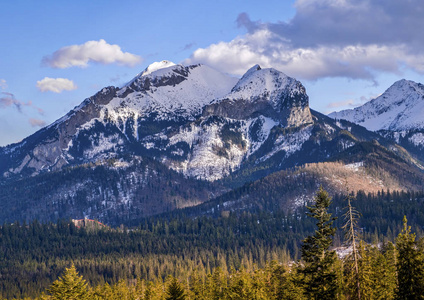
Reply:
x=33, y=255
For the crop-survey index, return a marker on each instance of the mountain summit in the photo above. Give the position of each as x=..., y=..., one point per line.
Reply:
x=400, y=107
x=397, y=114
x=266, y=92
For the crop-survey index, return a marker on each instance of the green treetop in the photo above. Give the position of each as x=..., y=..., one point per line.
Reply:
x=319, y=276
x=70, y=286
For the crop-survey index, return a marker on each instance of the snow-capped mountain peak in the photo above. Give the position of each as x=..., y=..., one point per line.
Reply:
x=166, y=89
x=157, y=66
x=268, y=92
x=258, y=82
x=400, y=107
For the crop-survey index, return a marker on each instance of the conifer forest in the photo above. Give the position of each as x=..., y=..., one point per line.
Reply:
x=340, y=248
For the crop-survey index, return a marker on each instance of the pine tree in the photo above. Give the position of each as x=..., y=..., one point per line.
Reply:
x=196, y=286
x=217, y=284
x=174, y=290
x=319, y=277
x=410, y=265
x=283, y=284
x=384, y=273
x=239, y=286
x=70, y=286
x=368, y=254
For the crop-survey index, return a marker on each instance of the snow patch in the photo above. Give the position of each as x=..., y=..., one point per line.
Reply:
x=417, y=139
x=157, y=66
x=354, y=166
x=290, y=143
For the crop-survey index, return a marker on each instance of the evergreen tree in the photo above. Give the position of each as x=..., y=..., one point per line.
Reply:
x=196, y=286
x=410, y=265
x=384, y=273
x=174, y=290
x=70, y=286
x=319, y=277
x=283, y=284
x=366, y=275
x=239, y=286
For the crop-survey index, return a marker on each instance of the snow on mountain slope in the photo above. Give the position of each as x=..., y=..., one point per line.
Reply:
x=400, y=107
x=265, y=83
x=193, y=119
x=168, y=89
x=235, y=126
x=211, y=148
x=157, y=66
x=267, y=92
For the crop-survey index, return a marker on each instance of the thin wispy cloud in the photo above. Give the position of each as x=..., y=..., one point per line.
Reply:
x=349, y=103
x=344, y=103
x=9, y=100
x=3, y=84
x=56, y=85
x=330, y=38
x=92, y=51
x=188, y=46
x=115, y=79
x=36, y=122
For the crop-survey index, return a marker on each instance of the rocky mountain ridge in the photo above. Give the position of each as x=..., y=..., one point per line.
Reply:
x=399, y=108
x=177, y=136
x=397, y=114
x=175, y=113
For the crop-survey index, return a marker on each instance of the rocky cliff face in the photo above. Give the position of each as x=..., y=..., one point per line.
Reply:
x=48, y=148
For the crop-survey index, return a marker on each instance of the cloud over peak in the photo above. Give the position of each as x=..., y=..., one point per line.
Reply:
x=91, y=51
x=55, y=85
x=327, y=38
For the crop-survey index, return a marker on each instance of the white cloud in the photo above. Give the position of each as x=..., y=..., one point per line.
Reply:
x=56, y=85
x=269, y=50
x=91, y=51
x=36, y=122
x=3, y=84
x=327, y=38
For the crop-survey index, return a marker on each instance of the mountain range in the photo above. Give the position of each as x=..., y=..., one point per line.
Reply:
x=177, y=136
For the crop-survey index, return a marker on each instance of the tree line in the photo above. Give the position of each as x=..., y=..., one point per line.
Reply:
x=245, y=256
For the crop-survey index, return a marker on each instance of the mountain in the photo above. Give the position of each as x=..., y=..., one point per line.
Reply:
x=400, y=107
x=159, y=114
x=178, y=136
x=106, y=123
x=396, y=114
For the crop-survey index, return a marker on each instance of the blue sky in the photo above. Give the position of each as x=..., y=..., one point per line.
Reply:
x=54, y=54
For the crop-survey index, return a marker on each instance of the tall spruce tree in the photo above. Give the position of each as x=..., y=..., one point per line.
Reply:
x=174, y=291
x=70, y=286
x=319, y=275
x=410, y=265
